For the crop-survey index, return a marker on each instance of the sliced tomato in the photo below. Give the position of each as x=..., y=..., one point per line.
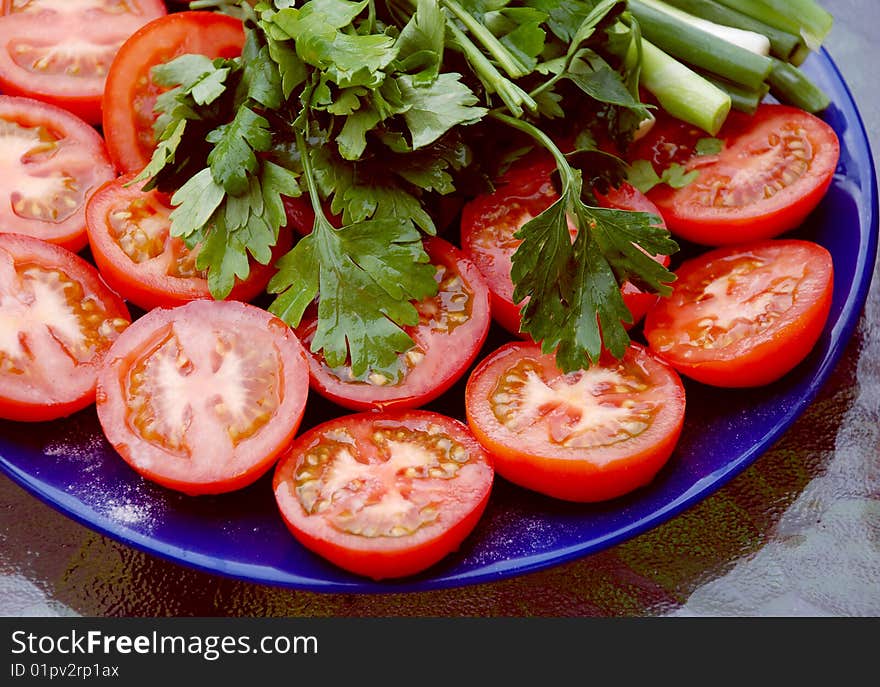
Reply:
x=57, y=321
x=204, y=397
x=129, y=234
x=773, y=169
x=589, y=435
x=59, y=51
x=50, y=163
x=384, y=494
x=489, y=222
x=130, y=93
x=744, y=315
x=452, y=328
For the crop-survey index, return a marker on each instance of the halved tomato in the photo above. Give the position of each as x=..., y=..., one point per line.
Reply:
x=384, y=494
x=744, y=315
x=130, y=94
x=129, y=234
x=452, y=328
x=59, y=51
x=204, y=397
x=589, y=435
x=773, y=169
x=57, y=321
x=50, y=163
x=489, y=222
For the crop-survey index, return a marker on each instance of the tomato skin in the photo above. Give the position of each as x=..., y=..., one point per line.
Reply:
x=447, y=354
x=778, y=145
x=148, y=284
x=571, y=473
x=762, y=356
x=84, y=161
x=464, y=498
x=60, y=389
x=130, y=93
x=489, y=221
x=80, y=95
x=203, y=457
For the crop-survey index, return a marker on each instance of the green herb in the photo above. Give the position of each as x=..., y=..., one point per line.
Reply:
x=643, y=176
x=709, y=146
x=376, y=112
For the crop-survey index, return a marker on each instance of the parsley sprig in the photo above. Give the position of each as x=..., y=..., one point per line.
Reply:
x=376, y=111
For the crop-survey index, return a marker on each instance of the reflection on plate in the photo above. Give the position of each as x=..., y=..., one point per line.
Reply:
x=69, y=465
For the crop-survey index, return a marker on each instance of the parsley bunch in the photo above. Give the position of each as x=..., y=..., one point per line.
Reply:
x=374, y=112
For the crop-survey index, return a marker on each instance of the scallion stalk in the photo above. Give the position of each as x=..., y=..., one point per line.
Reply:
x=790, y=85
x=755, y=42
x=700, y=49
x=783, y=44
x=741, y=98
x=804, y=17
x=681, y=91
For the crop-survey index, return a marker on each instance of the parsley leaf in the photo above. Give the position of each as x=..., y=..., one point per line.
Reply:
x=709, y=146
x=644, y=177
x=366, y=273
x=437, y=108
x=574, y=304
x=236, y=143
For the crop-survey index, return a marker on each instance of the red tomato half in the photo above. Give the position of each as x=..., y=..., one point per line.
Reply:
x=489, y=222
x=744, y=315
x=452, y=328
x=57, y=320
x=774, y=168
x=204, y=397
x=384, y=494
x=130, y=92
x=50, y=163
x=129, y=233
x=589, y=435
x=59, y=51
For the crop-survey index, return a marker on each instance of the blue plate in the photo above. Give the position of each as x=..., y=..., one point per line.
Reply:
x=69, y=465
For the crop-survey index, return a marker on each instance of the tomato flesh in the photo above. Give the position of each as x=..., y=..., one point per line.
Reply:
x=589, y=435
x=744, y=315
x=452, y=328
x=384, y=494
x=129, y=232
x=774, y=168
x=50, y=163
x=59, y=51
x=202, y=398
x=130, y=93
x=57, y=321
x=489, y=222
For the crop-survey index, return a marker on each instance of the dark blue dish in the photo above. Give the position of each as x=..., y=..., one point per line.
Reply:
x=69, y=465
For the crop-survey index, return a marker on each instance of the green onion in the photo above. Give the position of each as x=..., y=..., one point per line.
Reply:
x=682, y=92
x=696, y=47
x=804, y=17
x=741, y=98
x=790, y=85
x=750, y=40
x=783, y=44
